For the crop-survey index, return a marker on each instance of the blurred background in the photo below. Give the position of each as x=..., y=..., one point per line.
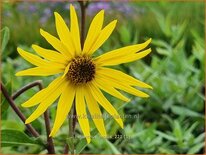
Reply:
x=170, y=121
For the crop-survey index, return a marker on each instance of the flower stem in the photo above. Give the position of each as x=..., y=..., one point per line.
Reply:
x=18, y=112
x=25, y=88
x=71, y=122
x=50, y=145
x=83, y=18
x=71, y=130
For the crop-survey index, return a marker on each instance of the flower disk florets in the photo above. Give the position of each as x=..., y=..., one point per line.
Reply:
x=81, y=70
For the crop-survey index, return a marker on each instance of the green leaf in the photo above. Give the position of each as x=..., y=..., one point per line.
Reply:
x=166, y=136
x=5, y=33
x=12, y=124
x=83, y=143
x=163, y=51
x=182, y=111
x=180, y=29
x=178, y=132
x=196, y=148
x=112, y=147
x=125, y=34
x=200, y=138
x=15, y=138
x=161, y=43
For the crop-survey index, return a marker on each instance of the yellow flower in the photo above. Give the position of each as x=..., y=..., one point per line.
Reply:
x=82, y=77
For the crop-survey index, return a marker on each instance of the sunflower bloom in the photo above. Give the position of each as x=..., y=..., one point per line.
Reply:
x=82, y=78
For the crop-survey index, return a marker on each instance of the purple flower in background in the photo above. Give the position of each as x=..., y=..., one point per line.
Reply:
x=21, y=6
x=46, y=15
x=26, y=7
x=47, y=12
x=7, y=14
x=96, y=6
x=32, y=8
x=67, y=6
x=123, y=7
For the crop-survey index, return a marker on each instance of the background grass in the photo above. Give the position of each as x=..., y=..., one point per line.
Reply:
x=170, y=121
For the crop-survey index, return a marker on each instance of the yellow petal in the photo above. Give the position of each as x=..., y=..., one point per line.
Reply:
x=33, y=59
x=39, y=71
x=50, y=54
x=56, y=43
x=94, y=31
x=36, y=99
x=123, y=86
x=130, y=58
x=43, y=94
x=63, y=108
x=64, y=33
x=103, y=36
x=75, y=29
x=81, y=114
x=118, y=75
x=47, y=102
x=66, y=70
x=95, y=112
x=102, y=84
x=125, y=59
x=99, y=97
x=121, y=53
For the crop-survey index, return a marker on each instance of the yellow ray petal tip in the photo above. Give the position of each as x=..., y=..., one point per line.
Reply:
x=27, y=121
x=149, y=40
x=114, y=21
x=18, y=49
x=128, y=100
x=101, y=12
x=24, y=105
x=18, y=74
x=150, y=87
x=42, y=31
x=88, y=140
x=56, y=14
x=121, y=124
x=145, y=95
x=51, y=134
x=71, y=6
x=33, y=46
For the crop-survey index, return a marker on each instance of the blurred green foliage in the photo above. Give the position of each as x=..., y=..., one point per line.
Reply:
x=171, y=121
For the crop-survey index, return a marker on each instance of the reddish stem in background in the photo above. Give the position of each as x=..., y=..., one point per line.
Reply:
x=83, y=6
x=50, y=145
x=18, y=112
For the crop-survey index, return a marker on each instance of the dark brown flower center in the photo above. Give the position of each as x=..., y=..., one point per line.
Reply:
x=81, y=70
